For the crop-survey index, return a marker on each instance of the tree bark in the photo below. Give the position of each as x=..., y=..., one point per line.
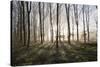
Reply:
x=87, y=21
x=40, y=22
x=76, y=20
x=24, y=30
x=68, y=22
x=84, y=26
x=43, y=22
x=51, y=29
x=28, y=11
x=72, y=28
x=57, y=28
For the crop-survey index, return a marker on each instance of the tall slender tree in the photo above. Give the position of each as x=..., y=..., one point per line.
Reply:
x=24, y=30
x=72, y=27
x=67, y=6
x=57, y=28
x=51, y=24
x=28, y=6
x=40, y=22
x=43, y=22
x=76, y=20
x=19, y=24
x=87, y=23
x=84, y=24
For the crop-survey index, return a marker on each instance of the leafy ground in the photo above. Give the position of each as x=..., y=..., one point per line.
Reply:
x=46, y=53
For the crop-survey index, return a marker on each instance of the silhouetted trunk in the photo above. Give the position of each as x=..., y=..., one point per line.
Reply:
x=76, y=20
x=51, y=28
x=77, y=34
x=20, y=21
x=24, y=31
x=40, y=22
x=28, y=11
x=67, y=6
x=84, y=26
x=43, y=22
x=18, y=24
x=11, y=19
x=57, y=28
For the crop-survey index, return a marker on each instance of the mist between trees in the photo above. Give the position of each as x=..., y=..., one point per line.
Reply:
x=54, y=23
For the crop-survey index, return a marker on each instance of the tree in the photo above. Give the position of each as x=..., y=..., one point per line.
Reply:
x=76, y=20
x=24, y=30
x=51, y=24
x=67, y=6
x=34, y=18
x=84, y=25
x=72, y=27
x=40, y=22
x=28, y=6
x=87, y=22
x=19, y=23
x=43, y=23
x=96, y=22
x=11, y=16
x=57, y=28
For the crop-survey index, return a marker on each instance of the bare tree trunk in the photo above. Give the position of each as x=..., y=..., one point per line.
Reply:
x=34, y=30
x=72, y=28
x=43, y=22
x=24, y=30
x=84, y=26
x=11, y=16
x=96, y=21
x=68, y=22
x=76, y=20
x=57, y=28
x=20, y=21
x=87, y=21
x=51, y=29
x=40, y=22
x=34, y=27
x=18, y=24
x=28, y=11
x=77, y=34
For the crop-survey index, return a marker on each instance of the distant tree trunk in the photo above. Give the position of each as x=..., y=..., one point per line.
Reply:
x=63, y=34
x=11, y=16
x=67, y=6
x=24, y=30
x=76, y=20
x=20, y=21
x=34, y=26
x=57, y=29
x=18, y=24
x=84, y=26
x=96, y=21
x=28, y=11
x=72, y=28
x=51, y=29
x=40, y=22
x=87, y=22
x=43, y=22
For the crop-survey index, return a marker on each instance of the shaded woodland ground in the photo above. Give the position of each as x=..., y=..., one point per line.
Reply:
x=50, y=33
x=46, y=53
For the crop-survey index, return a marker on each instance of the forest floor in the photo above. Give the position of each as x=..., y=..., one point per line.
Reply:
x=46, y=53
